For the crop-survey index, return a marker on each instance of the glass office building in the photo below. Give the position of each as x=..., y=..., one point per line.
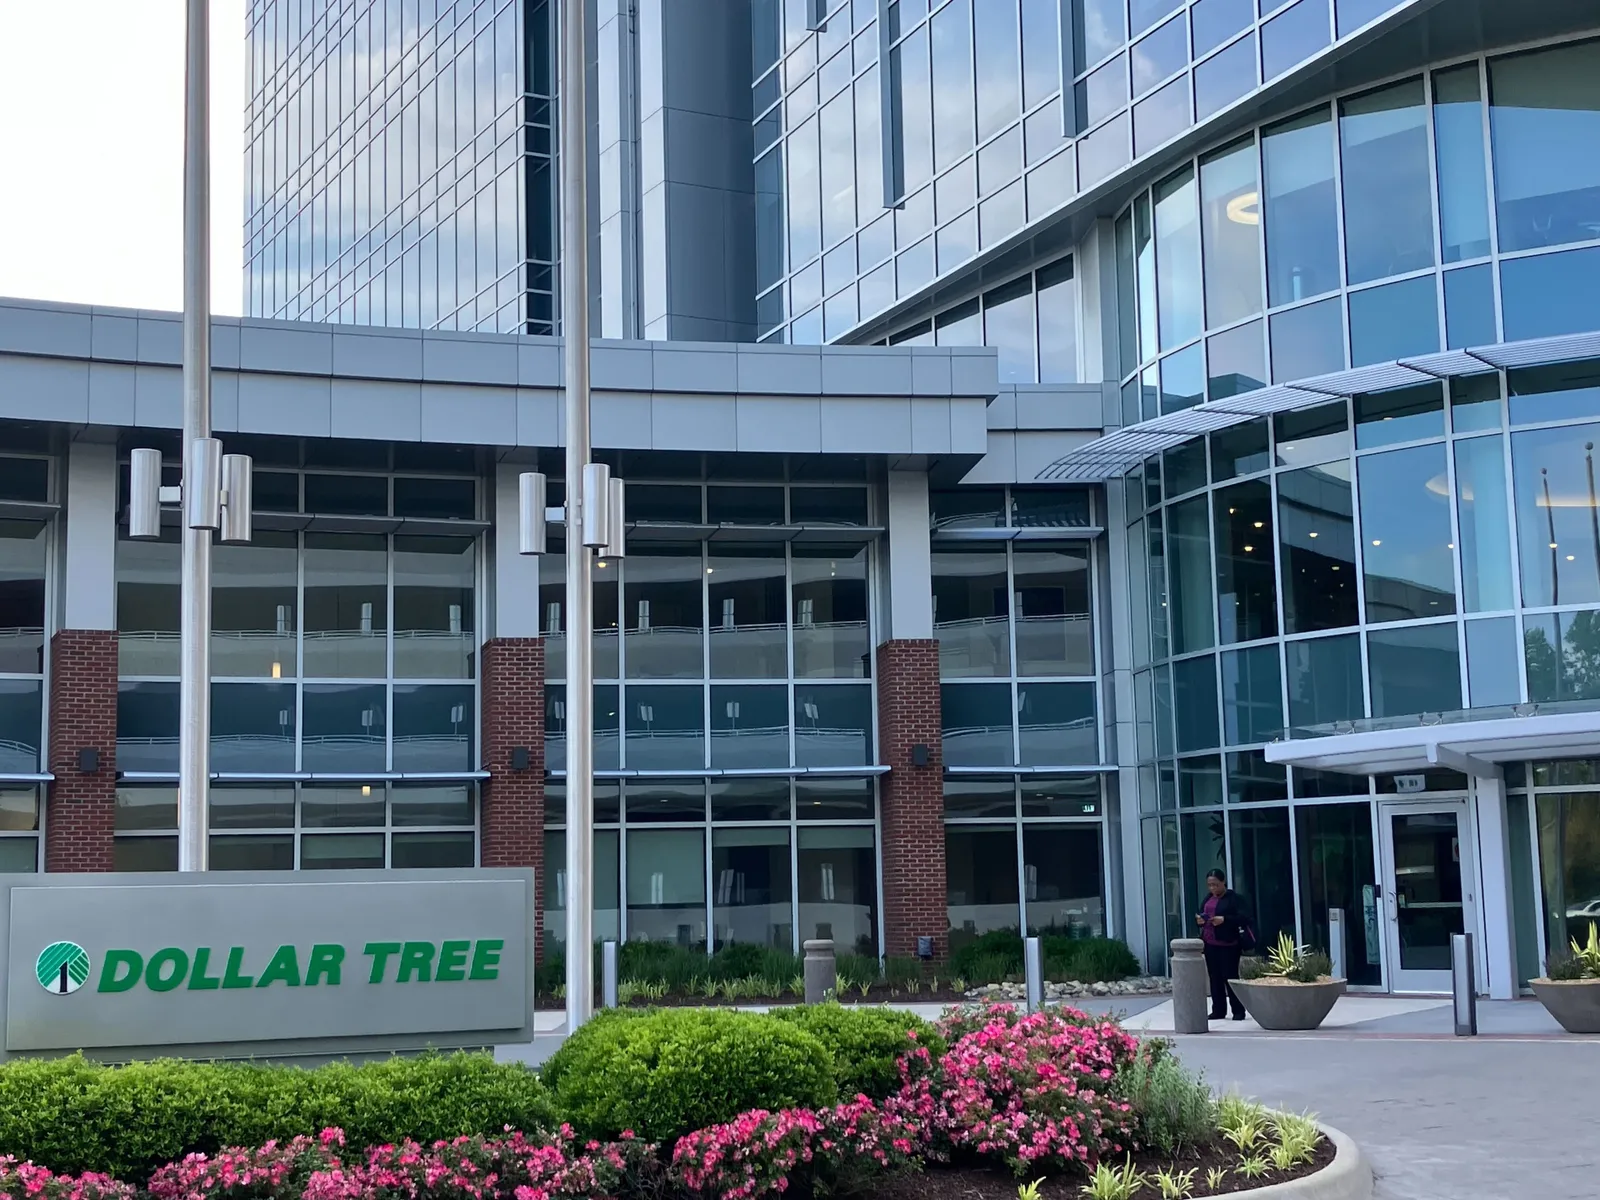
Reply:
x=1160, y=438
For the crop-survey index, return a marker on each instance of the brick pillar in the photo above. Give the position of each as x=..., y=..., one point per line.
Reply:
x=81, y=814
x=512, y=820
x=912, y=797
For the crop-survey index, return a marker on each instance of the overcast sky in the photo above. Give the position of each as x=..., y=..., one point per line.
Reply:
x=91, y=151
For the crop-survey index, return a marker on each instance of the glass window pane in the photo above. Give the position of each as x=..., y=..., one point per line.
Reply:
x=1225, y=77
x=144, y=854
x=1293, y=37
x=344, y=728
x=1493, y=672
x=1240, y=450
x=19, y=808
x=1475, y=403
x=1397, y=320
x=1127, y=317
x=1557, y=509
x=1183, y=379
x=1069, y=796
x=1156, y=555
x=253, y=608
x=1543, y=105
x=1185, y=468
x=1252, y=705
x=252, y=727
x=1159, y=55
x=1161, y=116
x=446, y=805
x=749, y=727
x=980, y=880
x=1189, y=544
x=1458, y=142
x=970, y=613
x=1058, y=323
x=433, y=608
x=1247, y=596
x=607, y=887
x=1414, y=670
x=1231, y=223
x=748, y=626
x=1559, y=651
x=1335, y=850
x=831, y=638
x=1194, y=686
x=1008, y=318
x=433, y=850
x=1388, y=193
x=825, y=799
x=750, y=872
x=1144, y=242
x=341, y=851
x=1100, y=26
x=147, y=607
x=1469, y=309
x=270, y=852
x=1324, y=681
x=667, y=886
x=1057, y=724
x=1199, y=782
x=665, y=727
x=1408, y=551
x=358, y=495
x=742, y=505
x=436, y=499
x=1253, y=780
x=1302, y=232
x=1308, y=341
x=1565, y=392
x=833, y=725
x=1204, y=849
x=1055, y=632
x=843, y=506
x=147, y=726
x=1215, y=21
x=1238, y=361
x=838, y=887
x=433, y=727
x=951, y=35
x=1312, y=435
x=342, y=807
x=22, y=570
x=1062, y=875
x=1484, y=524
x=1263, y=870
x=346, y=607
x=1403, y=415
x=977, y=725
x=141, y=808
x=1177, y=259
x=749, y=799
x=1550, y=294
x=664, y=614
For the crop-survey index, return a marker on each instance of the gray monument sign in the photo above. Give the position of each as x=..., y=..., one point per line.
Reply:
x=234, y=964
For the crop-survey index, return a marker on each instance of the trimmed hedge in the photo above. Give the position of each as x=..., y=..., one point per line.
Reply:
x=997, y=955
x=72, y=1115
x=668, y=1072
x=866, y=1043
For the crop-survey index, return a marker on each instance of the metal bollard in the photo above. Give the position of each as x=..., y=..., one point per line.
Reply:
x=1336, y=942
x=1190, y=987
x=1463, y=985
x=1033, y=965
x=821, y=971
x=608, y=974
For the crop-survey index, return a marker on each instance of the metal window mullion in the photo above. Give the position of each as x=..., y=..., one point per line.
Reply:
x=793, y=826
x=1491, y=184
x=1022, y=866
x=1341, y=285
x=707, y=863
x=1435, y=207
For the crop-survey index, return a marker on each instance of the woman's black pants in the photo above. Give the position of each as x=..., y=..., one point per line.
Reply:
x=1222, y=964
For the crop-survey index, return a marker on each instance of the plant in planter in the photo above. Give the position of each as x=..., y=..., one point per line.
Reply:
x=1292, y=989
x=1570, y=989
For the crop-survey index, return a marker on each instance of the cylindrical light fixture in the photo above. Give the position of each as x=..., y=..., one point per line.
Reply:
x=532, y=488
x=144, y=495
x=202, y=484
x=616, y=522
x=595, y=500
x=238, y=496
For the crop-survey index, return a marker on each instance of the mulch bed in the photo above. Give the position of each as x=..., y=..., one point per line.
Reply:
x=981, y=1183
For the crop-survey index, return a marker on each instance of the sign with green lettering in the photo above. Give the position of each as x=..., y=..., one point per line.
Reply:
x=265, y=963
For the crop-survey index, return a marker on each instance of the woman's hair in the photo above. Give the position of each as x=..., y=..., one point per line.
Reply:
x=1217, y=875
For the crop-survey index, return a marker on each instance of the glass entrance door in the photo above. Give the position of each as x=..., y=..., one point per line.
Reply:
x=1428, y=883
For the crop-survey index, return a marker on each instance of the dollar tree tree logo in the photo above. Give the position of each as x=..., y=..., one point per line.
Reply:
x=62, y=968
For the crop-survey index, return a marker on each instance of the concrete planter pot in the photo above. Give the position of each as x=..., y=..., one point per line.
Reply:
x=1288, y=1005
x=1574, y=1003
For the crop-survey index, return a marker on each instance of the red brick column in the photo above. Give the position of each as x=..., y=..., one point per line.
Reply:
x=81, y=814
x=912, y=797
x=512, y=821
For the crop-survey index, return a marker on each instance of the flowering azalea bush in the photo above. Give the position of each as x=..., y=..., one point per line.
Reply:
x=25, y=1181
x=836, y=1149
x=271, y=1170
x=1033, y=1090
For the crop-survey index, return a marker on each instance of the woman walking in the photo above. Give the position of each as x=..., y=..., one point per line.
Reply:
x=1224, y=921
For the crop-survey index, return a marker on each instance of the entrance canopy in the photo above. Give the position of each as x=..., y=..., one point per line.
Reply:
x=1475, y=741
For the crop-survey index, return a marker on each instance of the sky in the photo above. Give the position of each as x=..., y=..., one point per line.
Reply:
x=91, y=152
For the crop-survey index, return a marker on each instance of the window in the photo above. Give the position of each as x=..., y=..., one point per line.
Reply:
x=1408, y=547
x=1458, y=141
x=1388, y=192
x=1301, y=221
x=1247, y=595
x=748, y=610
x=1230, y=204
x=751, y=878
x=1177, y=260
x=1414, y=670
x=970, y=609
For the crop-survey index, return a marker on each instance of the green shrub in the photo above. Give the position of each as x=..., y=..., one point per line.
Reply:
x=1100, y=959
x=997, y=955
x=73, y=1115
x=856, y=972
x=1174, y=1111
x=866, y=1043
x=990, y=957
x=668, y=1072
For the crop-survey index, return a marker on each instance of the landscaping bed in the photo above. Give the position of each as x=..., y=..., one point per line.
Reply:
x=988, y=1103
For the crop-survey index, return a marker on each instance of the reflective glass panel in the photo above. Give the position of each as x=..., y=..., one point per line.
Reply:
x=1230, y=203
x=663, y=613
x=147, y=725
x=977, y=724
x=1550, y=294
x=1008, y=321
x=1494, y=676
x=346, y=606
x=966, y=796
x=433, y=727
x=838, y=887
x=1407, y=544
x=1189, y=544
x=1469, y=313
x=1475, y=403
x=1324, y=676
x=750, y=872
x=1557, y=510
x=1263, y=870
x=1308, y=341
x=147, y=606
x=1301, y=212
x=252, y=727
x=1485, y=524
x=1069, y=796
x=749, y=726
x=1237, y=361
x=1403, y=415
x=1294, y=36
x=667, y=886
x=829, y=614
x=1458, y=145
x=1560, y=650
x=980, y=880
x=1178, y=259
x=1056, y=724
x=344, y=728
x=970, y=613
x=341, y=851
x=1252, y=706
x=1335, y=851
x=1225, y=77
x=1565, y=392
x=833, y=725
x=434, y=850
x=952, y=98
x=1247, y=594
x=1061, y=879
x=749, y=629
x=1058, y=323
x=1388, y=193
x=1253, y=780
x=1194, y=694
x=1041, y=57
x=1240, y=450
x=1100, y=26
x=1055, y=632
x=1215, y=21
x=253, y=607
x=1414, y=670
x=1398, y=320
x=664, y=726
x=1183, y=379
x=434, y=612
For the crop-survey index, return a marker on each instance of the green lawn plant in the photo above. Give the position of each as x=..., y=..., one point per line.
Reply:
x=1175, y=1112
x=1113, y=1183
x=1582, y=963
x=1174, y=1184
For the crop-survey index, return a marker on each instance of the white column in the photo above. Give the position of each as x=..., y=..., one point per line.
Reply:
x=1122, y=742
x=89, y=585
x=910, y=556
x=1495, y=894
x=516, y=576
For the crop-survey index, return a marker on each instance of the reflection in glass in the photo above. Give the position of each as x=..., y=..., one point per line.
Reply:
x=341, y=851
x=1145, y=249
x=341, y=807
x=1177, y=259
x=1055, y=633
x=1247, y=594
x=1408, y=551
x=1558, y=514
x=1099, y=27
x=446, y=804
x=1569, y=864
x=1307, y=341
x=1401, y=415
x=607, y=887
x=1484, y=524
x=434, y=850
x=1238, y=361
x=748, y=627
x=1189, y=543
x=1127, y=300
x=1458, y=142
x=833, y=725
x=1252, y=705
x=749, y=726
x=1469, y=307
x=829, y=613
x=344, y=727
x=667, y=886
x=1066, y=796
x=1225, y=77
x=253, y=607
x=1056, y=724
x=147, y=724
x=1156, y=556
x=252, y=727
x=1194, y=703
x=980, y=880
x=1493, y=672
x=1230, y=204
x=1205, y=849
x=1542, y=105
x=838, y=887
x=951, y=33
x=977, y=724
x=1293, y=37
x=22, y=568
x=1324, y=676
x=1239, y=450
x=1388, y=194
x=1008, y=322
x=147, y=606
x=750, y=875
x=1062, y=880
x=664, y=727
x=1215, y=21
x=434, y=622
x=1398, y=320
x=1317, y=544
x=1161, y=115
x=1253, y=780
x=433, y=727
x=1058, y=323
x=1550, y=294
x=970, y=614
x=1183, y=379
x=1302, y=230
x=1312, y=435
x=1334, y=845
x=1562, y=655
x=1475, y=403
x=1263, y=870
x=346, y=606
x=1414, y=670
x=663, y=613
x=270, y=853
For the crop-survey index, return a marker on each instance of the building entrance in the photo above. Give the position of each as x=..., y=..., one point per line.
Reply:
x=1429, y=882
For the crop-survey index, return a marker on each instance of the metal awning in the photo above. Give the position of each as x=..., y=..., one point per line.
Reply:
x=1118, y=453
x=1455, y=741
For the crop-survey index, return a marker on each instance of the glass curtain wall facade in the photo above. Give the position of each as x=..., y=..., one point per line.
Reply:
x=26, y=564
x=344, y=663
x=398, y=164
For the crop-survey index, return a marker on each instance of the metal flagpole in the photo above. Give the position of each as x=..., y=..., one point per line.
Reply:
x=194, y=687
x=580, y=612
